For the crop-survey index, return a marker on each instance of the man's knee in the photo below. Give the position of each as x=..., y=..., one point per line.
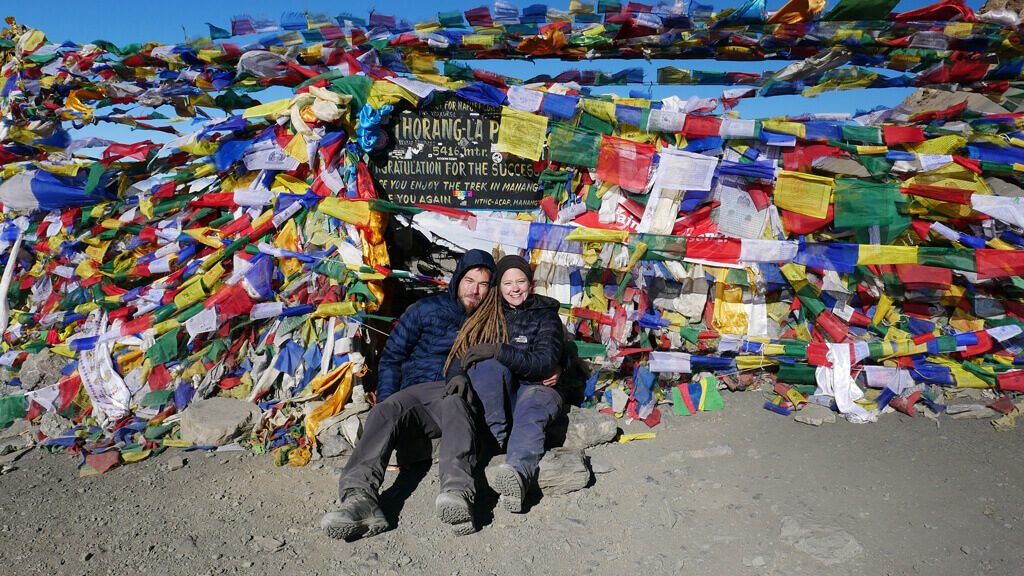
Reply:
x=390, y=410
x=454, y=405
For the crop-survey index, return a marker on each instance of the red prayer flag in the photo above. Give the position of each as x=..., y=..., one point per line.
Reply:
x=998, y=263
x=894, y=135
x=624, y=162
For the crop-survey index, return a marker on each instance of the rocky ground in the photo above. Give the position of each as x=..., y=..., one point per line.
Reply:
x=741, y=491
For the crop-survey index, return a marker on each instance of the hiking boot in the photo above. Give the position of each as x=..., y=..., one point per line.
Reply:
x=359, y=517
x=456, y=510
x=511, y=486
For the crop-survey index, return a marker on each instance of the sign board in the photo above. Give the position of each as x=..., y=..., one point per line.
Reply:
x=444, y=154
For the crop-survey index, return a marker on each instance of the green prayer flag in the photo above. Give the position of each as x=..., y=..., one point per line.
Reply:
x=11, y=408
x=712, y=399
x=862, y=204
x=165, y=348
x=677, y=402
x=796, y=374
x=861, y=10
x=570, y=145
x=866, y=134
x=156, y=398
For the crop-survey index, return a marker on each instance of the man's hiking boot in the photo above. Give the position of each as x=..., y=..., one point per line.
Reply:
x=359, y=517
x=511, y=486
x=456, y=510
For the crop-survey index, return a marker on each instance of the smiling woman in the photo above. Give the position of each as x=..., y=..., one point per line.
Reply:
x=515, y=287
x=511, y=351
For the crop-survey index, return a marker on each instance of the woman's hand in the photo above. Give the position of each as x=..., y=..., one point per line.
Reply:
x=553, y=379
x=478, y=353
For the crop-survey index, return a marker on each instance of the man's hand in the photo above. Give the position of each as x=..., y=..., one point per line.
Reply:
x=553, y=379
x=480, y=352
x=457, y=386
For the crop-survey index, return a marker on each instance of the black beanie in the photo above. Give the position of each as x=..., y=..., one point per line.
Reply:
x=509, y=262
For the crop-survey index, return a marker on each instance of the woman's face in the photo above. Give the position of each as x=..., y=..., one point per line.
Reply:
x=514, y=286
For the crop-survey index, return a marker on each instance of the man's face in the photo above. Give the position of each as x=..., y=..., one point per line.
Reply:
x=473, y=287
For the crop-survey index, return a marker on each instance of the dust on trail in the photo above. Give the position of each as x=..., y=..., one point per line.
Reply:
x=741, y=491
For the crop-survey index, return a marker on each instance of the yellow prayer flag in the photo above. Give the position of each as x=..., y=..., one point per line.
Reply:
x=941, y=145
x=880, y=254
x=287, y=183
x=640, y=436
x=730, y=315
x=751, y=362
x=482, y=40
x=584, y=234
x=288, y=239
x=297, y=149
x=203, y=170
x=352, y=211
x=795, y=128
x=804, y=193
x=200, y=147
x=166, y=326
x=132, y=457
x=262, y=219
x=951, y=175
x=271, y=109
x=191, y=293
x=603, y=110
x=340, y=379
x=884, y=305
x=86, y=269
x=522, y=133
x=212, y=275
x=796, y=11
x=382, y=93
x=200, y=235
x=335, y=309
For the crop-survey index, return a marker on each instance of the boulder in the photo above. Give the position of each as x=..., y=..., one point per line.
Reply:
x=215, y=421
x=41, y=369
x=563, y=470
x=932, y=99
x=332, y=441
x=1016, y=6
x=841, y=166
x=815, y=415
x=53, y=425
x=588, y=428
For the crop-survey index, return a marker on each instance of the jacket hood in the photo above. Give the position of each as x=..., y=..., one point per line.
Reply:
x=471, y=259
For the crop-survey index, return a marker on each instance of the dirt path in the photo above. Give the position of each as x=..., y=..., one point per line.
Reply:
x=741, y=491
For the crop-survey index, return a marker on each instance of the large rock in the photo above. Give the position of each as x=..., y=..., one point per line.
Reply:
x=563, y=470
x=215, y=421
x=53, y=425
x=589, y=428
x=332, y=443
x=931, y=99
x=41, y=369
x=338, y=439
x=1001, y=187
x=841, y=166
x=1016, y=6
x=815, y=415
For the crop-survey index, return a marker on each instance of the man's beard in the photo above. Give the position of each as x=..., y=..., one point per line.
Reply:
x=470, y=306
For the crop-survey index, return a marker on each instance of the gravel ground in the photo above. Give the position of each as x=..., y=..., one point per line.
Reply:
x=741, y=491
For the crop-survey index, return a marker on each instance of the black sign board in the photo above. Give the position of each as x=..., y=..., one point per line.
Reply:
x=444, y=154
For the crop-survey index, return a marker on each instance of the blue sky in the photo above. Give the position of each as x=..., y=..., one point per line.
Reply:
x=123, y=23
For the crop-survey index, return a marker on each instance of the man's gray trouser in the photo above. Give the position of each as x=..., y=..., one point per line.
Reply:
x=418, y=409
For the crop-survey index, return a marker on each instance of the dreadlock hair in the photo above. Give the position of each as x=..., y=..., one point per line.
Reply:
x=485, y=326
